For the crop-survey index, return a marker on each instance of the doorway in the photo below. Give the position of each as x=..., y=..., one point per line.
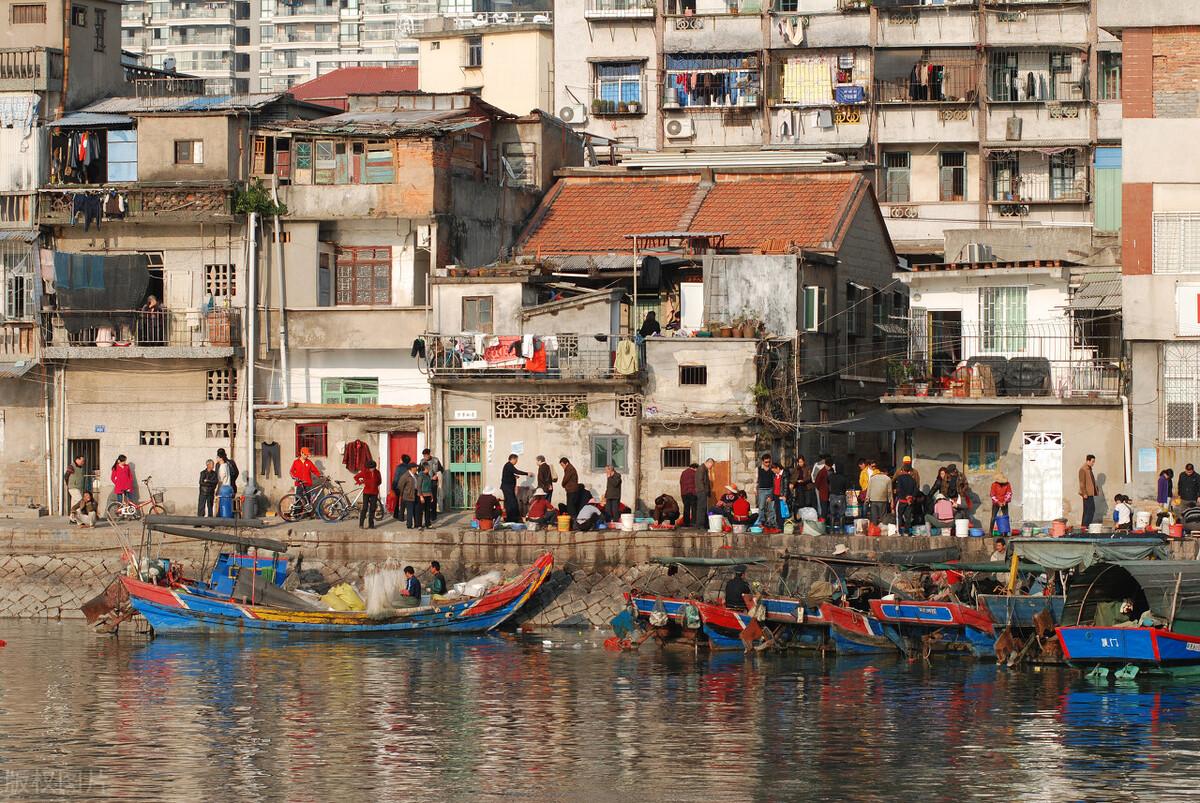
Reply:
x=400, y=444
x=465, y=464
x=1041, y=476
x=722, y=472
x=90, y=449
x=945, y=342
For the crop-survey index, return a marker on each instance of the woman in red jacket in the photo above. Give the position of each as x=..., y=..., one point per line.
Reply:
x=1001, y=495
x=122, y=479
x=370, y=479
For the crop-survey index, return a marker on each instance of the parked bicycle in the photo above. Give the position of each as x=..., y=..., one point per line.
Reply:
x=128, y=510
x=336, y=505
x=303, y=505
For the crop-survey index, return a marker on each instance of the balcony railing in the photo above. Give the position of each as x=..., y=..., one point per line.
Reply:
x=197, y=12
x=946, y=83
x=30, y=68
x=117, y=329
x=994, y=360
x=151, y=83
x=18, y=341
x=577, y=357
x=306, y=10
x=1038, y=188
x=142, y=204
x=619, y=9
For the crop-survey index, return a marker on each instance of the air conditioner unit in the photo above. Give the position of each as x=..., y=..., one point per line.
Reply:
x=979, y=252
x=679, y=128
x=1012, y=129
x=573, y=114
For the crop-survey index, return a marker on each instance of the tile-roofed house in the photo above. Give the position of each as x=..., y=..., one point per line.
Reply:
x=334, y=88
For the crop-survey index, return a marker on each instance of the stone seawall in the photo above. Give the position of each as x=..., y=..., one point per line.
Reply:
x=49, y=571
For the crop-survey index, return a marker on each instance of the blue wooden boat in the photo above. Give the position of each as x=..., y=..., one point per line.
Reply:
x=922, y=627
x=199, y=608
x=1019, y=611
x=854, y=632
x=687, y=621
x=1134, y=617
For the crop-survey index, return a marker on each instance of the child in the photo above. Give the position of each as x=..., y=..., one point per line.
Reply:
x=1122, y=513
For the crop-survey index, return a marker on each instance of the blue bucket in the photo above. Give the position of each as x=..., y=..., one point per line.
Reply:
x=976, y=532
x=848, y=529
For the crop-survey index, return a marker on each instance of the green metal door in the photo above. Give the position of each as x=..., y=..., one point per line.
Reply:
x=466, y=466
x=1108, y=189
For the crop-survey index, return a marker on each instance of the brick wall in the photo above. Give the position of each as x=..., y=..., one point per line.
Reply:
x=1176, y=72
x=1137, y=221
x=1137, y=73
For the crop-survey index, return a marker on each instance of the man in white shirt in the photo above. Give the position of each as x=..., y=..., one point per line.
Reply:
x=588, y=517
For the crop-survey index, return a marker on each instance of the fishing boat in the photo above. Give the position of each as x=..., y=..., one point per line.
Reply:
x=1134, y=617
x=854, y=632
x=245, y=594
x=922, y=627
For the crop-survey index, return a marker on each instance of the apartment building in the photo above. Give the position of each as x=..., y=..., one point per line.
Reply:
x=977, y=113
x=1161, y=216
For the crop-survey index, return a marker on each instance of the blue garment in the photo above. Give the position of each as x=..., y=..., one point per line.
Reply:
x=412, y=587
x=62, y=271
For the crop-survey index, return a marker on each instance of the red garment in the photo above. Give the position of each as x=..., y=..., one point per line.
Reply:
x=122, y=479
x=687, y=482
x=777, y=489
x=537, y=363
x=741, y=508
x=356, y=455
x=539, y=507
x=370, y=479
x=821, y=483
x=1001, y=494
x=304, y=470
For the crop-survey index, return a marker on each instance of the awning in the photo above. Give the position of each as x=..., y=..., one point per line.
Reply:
x=1069, y=553
x=20, y=235
x=1170, y=588
x=1104, y=294
x=91, y=120
x=938, y=417
x=15, y=370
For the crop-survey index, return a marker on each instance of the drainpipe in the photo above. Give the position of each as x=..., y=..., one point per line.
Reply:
x=248, y=506
x=1125, y=439
x=66, y=50
x=277, y=255
x=49, y=453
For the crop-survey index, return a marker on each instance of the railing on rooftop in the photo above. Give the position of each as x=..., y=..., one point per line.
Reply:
x=142, y=203
x=116, y=329
x=30, y=64
x=578, y=357
x=151, y=83
x=619, y=9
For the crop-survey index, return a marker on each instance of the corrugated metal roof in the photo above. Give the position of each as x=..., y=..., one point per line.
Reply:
x=20, y=235
x=15, y=370
x=1104, y=294
x=188, y=103
x=395, y=123
x=91, y=120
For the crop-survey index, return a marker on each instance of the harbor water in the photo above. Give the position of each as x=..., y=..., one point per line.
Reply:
x=553, y=716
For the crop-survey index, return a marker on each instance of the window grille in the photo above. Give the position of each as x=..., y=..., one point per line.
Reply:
x=219, y=430
x=221, y=384
x=629, y=406
x=154, y=437
x=531, y=406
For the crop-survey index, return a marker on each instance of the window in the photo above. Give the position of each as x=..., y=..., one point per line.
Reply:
x=896, y=177
x=693, y=374
x=364, y=275
x=953, y=168
x=1180, y=391
x=787, y=6
x=1006, y=177
x=878, y=309
x=189, y=152
x=266, y=33
x=28, y=14
x=618, y=83
x=379, y=166
x=220, y=430
x=1062, y=177
x=154, y=437
x=981, y=451
x=264, y=59
x=265, y=85
x=1110, y=76
x=474, y=51
x=326, y=162
x=1002, y=314
x=477, y=314
x=722, y=80
x=435, y=45
x=350, y=391
x=610, y=450
x=79, y=16
x=519, y=160
x=856, y=315
x=220, y=281
x=98, y=15
x=284, y=236
x=1176, y=242
x=122, y=155
x=221, y=384
x=314, y=437
x=814, y=308
x=676, y=458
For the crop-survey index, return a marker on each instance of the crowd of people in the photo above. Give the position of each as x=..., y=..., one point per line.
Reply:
x=532, y=503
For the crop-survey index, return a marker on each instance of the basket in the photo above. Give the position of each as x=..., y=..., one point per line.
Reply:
x=157, y=494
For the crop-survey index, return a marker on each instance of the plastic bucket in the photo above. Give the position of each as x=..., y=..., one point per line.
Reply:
x=486, y=524
x=1095, y=528
x=962, y=528
x=716, y=523
x=1177, y=530
x=739, y=529
x=1058, y=529
x=564, y=524
x=627, y=522
x=890, y=530
x=1142, y=520
x=976, y=532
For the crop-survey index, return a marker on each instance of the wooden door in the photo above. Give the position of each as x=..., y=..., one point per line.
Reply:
x=722, y=471
x=400, y=444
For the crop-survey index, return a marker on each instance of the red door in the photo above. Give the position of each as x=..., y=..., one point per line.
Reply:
x=400, y=444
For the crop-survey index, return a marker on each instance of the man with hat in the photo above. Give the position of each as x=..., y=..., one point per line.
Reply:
x=540, y=509
x=736, y=589
x=907, y=465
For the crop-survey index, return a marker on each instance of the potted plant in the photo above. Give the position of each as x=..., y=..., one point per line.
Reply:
x=901, y=373
x=634, y=107
x=597, y=105
x=623, y=107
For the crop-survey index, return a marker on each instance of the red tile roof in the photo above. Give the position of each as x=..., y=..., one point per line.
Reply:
x=765, y=212
x=333, y=88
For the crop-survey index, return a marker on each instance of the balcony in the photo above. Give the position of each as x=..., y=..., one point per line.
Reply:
x=145, y=203
x=1049, y=122
x=619, y=9
x=704, y=32
x=1021, y=178
x=972, y=361
x=471, y=358
x=203, y=14
x=31, y=69
x=909, y=24
x=115, y=334
x=1007, y=24
x=307, y=11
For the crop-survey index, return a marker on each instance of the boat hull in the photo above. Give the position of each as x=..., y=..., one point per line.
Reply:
x=854, y=632
x=1150, y=649
x=1018, y=612
x=720, y=627
x=176, y=611
x=920, y=628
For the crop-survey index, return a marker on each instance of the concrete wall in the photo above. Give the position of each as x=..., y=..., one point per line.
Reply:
x=224, y=144
x=92, y=73
x=1144, y=141
x=447, y=304
x=958, y=291
x=23, y=440
x=903, y=123
x=942, y=27
x=739, y=441
x=925, y=180
x=23, y=156
x=732, y=374
x=1015, y=245
x=516, y=73
x=764, y=287
x=1065, y=24
x=591, y=315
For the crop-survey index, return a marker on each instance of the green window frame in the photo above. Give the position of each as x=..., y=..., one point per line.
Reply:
x=815, y=307
x=981, y=451
x=355, y=390
x=610, y=450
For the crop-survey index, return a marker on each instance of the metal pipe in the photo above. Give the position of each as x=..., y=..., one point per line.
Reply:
x=66, y=55
x=286, y=379
x=49, y=452
x=1125, y=436
x=248, y=506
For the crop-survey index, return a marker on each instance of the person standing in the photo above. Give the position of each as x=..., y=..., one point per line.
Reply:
x=370, y=479
x=879, y=495
x=838, y=485
x=570, y=484
x=208, y=489
x=687, y=493
x=122, y=479
x=763, y=489
x=425, y=501
x=76, y=483
x=304, y=471
x=1166, y=479
x=804, y=484
x=650, y=326
x=406, y=496
x=398, y=476
x=904, y=489
x=820, y=481
x=545, y=478
x=703, y=491
x=508, y=487
x=1001, y=494
x=1188, y=487
x=435, y=469
x=1088, y=489
x=612, y=494
x=227, y=472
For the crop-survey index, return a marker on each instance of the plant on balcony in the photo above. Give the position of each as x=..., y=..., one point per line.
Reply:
x=760, y=391
x=580, y=411
x=623, y=108
x=597, y=106
x=256, y=198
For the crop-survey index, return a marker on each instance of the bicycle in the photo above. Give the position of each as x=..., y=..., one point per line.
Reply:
x=303, y=505
x=128, y=510
x=336, y=505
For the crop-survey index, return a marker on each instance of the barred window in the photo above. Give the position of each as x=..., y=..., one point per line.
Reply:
x=676, y=457
x=154, y=437
x=629, y=406
x=364, y=275
x=221, y=384
x=1181, y=392
x=530, y=406
x=1177, y=242
x=220, y=281
x=314, y=437
x=693, y=374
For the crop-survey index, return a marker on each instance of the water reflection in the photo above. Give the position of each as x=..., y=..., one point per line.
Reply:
x=472, y=718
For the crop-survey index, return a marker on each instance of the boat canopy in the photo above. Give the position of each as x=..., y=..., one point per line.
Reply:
x=1168, y=589
x=1058, y=554
x=707, y=562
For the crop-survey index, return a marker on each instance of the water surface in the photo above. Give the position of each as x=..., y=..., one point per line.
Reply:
x=508, y=717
